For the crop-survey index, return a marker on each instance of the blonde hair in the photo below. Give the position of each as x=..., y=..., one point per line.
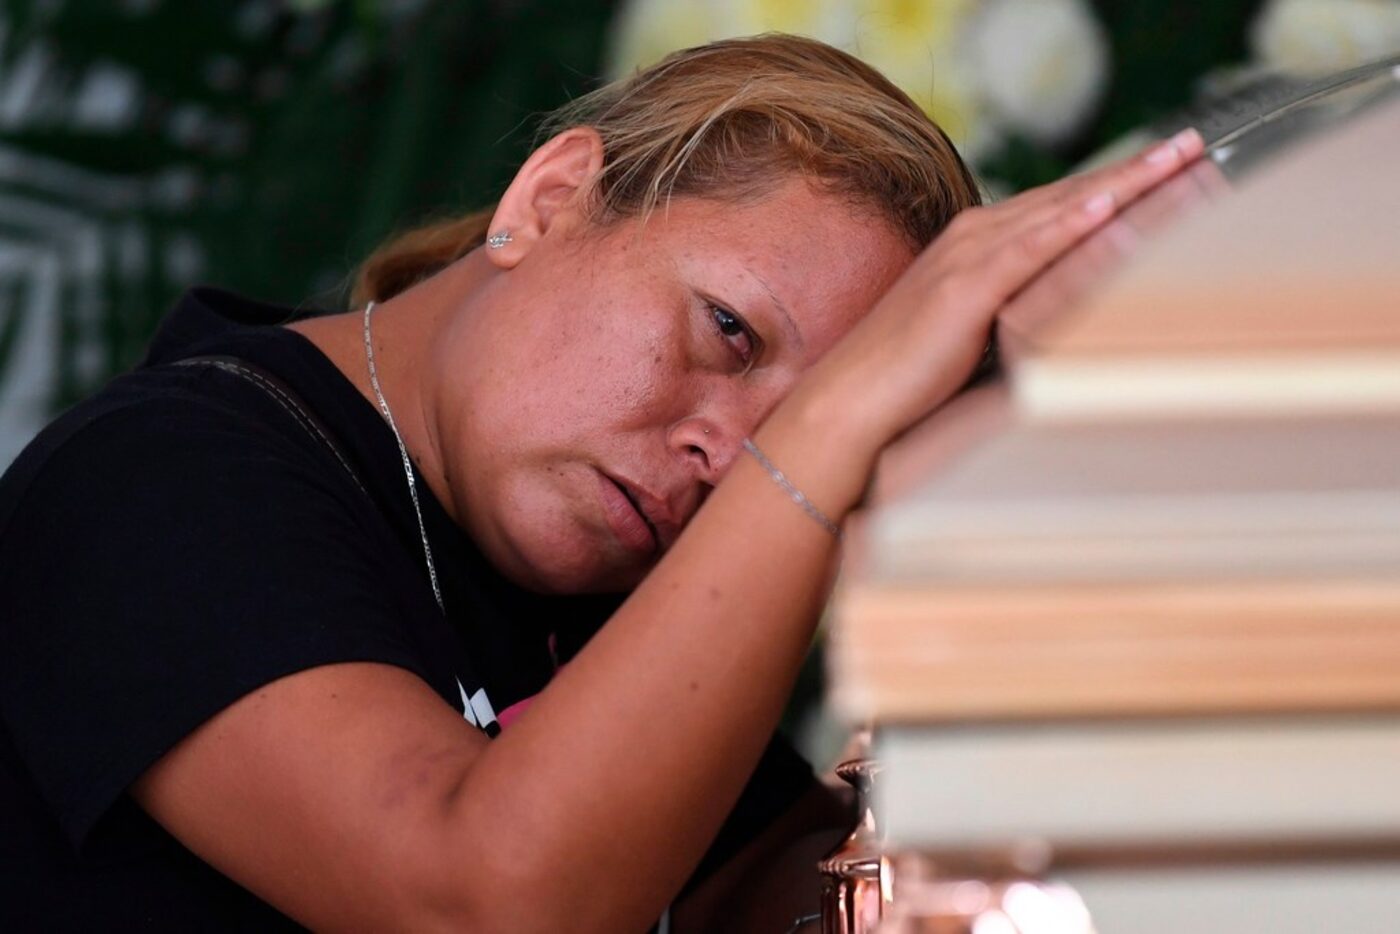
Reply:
x=731, y=120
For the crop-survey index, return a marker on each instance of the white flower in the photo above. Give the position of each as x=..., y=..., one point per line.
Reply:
x=645, y=31
x=1041, y=64
x=1318, y=36
x=831, y=21
x=920, y=46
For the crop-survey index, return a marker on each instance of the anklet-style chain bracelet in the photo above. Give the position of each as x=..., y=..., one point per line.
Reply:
x=792, y=491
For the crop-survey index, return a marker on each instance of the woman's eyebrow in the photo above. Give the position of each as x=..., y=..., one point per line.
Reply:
x=788, y=325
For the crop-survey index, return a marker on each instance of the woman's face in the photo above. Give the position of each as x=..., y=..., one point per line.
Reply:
x=602, y=386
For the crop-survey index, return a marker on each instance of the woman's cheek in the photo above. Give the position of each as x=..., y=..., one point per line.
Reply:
x=643, y=374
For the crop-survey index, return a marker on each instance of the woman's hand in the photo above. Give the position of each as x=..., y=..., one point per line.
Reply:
x=926, y=335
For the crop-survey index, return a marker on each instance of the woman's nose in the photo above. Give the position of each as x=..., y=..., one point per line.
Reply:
x=708, y=444
x=713, y=437
x=711, y=434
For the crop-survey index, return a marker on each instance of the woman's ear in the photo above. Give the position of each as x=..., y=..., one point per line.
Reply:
x=545, y=194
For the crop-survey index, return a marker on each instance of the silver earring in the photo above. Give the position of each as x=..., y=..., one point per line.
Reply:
x=498, y=239
x=707, y=431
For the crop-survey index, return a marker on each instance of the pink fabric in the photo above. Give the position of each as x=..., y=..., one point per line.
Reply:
x=512, y=713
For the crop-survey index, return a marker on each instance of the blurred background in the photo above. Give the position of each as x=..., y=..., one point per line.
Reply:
x=267, y=145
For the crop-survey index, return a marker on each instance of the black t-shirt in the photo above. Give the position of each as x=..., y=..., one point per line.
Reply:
x=181, y=539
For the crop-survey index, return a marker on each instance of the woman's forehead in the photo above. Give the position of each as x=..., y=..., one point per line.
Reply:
x=804, y=248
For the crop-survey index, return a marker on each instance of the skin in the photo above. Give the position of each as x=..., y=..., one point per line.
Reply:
x=641, y=381
x=352, y=797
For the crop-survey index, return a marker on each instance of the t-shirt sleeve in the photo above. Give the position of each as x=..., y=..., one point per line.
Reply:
x=166, y=560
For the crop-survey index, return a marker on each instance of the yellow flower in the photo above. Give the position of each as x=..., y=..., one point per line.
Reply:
x=831, y=21
x=918, y=44
x=645, y=31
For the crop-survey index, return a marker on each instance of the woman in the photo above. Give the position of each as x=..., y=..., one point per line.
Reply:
x=259, y=667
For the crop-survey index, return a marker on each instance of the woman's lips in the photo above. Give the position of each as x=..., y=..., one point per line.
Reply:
x=626, y=522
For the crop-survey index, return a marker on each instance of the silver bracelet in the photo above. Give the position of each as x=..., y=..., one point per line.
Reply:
x=792, y=491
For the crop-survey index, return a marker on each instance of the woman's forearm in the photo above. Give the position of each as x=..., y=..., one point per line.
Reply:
x=655, y=726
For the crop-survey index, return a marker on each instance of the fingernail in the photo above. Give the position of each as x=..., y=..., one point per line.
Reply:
x=1099, y=204
x=1163, y=153
x=1188, y=139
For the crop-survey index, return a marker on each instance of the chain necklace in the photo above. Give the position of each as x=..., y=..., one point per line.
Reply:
x=475, y=707
x=403, y=453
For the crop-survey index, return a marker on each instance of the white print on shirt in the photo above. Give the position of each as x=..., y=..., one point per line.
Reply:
x=477, y=709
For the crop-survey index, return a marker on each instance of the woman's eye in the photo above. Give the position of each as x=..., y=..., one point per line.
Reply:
x=733, y=330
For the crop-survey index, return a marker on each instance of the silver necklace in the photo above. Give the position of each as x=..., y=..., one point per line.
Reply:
x=476, y=708
x=407, y=464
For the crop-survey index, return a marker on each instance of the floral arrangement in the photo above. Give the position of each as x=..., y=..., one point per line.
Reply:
x=981, y=68
x=995, y=73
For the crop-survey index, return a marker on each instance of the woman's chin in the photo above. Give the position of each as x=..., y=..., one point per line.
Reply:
x=568, y=564
x=592, y=579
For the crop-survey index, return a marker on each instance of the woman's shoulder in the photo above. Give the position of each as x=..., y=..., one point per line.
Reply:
x=161, y=425
x=217, y=374
x=167, y=547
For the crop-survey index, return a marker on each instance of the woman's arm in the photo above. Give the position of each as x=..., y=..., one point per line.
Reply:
x=773, y=880
x=350, y=796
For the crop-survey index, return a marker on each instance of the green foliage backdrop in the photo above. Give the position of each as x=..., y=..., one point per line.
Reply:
x=268, y=145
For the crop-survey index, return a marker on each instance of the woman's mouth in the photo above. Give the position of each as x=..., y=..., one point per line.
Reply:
x=625, y=518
